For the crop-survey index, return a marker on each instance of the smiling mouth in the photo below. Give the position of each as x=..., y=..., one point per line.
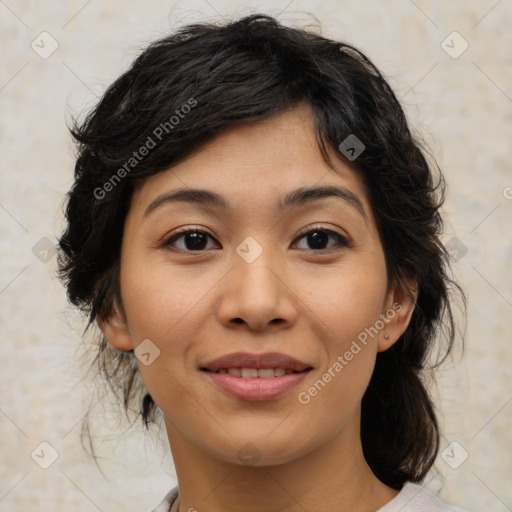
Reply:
x=262, y=373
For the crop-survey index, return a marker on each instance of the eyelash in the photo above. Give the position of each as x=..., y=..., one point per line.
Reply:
x=342, y=241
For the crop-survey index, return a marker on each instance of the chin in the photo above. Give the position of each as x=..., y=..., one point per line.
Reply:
x=259, y=451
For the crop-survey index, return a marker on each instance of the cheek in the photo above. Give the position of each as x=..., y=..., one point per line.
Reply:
x=158, y=301
x=347, y=300
x=163, y=305
x=347, y=308
x=335, y=393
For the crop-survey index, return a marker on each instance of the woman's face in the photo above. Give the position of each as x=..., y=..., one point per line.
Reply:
x=250, y=279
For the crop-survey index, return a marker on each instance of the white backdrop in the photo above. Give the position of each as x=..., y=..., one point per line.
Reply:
x=57, y=57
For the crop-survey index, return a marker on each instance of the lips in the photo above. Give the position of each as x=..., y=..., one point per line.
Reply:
x=256, y=377
x=245, y=360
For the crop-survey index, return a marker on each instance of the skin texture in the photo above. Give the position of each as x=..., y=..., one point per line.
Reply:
x=196, y=305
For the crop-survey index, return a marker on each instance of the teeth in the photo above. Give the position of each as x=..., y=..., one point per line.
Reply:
x=249, y=372
x=263, y=373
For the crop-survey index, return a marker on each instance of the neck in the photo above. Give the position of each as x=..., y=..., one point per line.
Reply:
x=335, y=475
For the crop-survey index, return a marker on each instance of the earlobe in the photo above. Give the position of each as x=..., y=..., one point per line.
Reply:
x=397, y=315
x=115, y=330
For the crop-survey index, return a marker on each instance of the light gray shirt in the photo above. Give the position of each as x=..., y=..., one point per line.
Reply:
x=412, y=498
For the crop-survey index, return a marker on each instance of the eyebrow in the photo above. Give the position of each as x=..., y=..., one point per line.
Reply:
x=297, y=197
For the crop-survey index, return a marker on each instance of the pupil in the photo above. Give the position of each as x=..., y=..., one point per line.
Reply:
x=317, y=238
x=198, y=241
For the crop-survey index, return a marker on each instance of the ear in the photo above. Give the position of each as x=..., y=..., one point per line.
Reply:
x=399, y=306
x=115, y=329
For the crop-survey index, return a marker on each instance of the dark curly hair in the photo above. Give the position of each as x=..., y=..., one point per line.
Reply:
x=187, y=88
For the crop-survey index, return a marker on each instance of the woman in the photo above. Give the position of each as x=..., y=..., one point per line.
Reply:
x=256, y=233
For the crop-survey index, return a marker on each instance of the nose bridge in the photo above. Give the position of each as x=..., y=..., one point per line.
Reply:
x=255, y=268
x=256, y=292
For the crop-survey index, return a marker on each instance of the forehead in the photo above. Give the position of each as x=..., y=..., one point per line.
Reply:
x=255, y=165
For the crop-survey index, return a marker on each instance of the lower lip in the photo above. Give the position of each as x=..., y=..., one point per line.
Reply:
x=256, y=388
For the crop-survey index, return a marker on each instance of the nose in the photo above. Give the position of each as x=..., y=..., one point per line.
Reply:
x=258, y=295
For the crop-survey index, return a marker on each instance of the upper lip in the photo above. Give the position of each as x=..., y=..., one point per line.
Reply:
x=247, y=360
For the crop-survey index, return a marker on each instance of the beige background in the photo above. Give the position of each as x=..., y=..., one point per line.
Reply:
x=463, y=108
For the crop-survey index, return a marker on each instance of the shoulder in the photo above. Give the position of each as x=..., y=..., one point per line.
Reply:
x=168, y=501
x=414, y=498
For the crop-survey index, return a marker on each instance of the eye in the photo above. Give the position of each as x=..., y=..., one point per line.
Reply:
x=319, y=236
x=193, y=240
